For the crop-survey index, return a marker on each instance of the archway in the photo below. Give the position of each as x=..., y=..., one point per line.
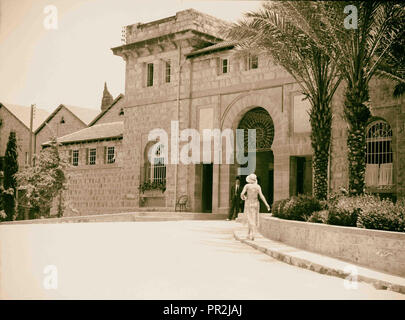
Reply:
x=259, y=119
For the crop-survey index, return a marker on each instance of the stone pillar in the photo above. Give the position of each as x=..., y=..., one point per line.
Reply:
x=215, y=188
x=281, y=175
x=224, y=176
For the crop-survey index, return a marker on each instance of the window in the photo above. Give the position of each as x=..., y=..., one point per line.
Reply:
x=121, y=113
x=75, y=157
x=149, y=80
x=110, y=154
x=92, y=156
x=252, y=62
x=62, y=120
x=379, y=155
x=167, y=72
x=224, y=66
x=158, y=165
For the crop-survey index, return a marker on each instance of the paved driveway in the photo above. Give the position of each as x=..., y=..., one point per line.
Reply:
x=153, y=260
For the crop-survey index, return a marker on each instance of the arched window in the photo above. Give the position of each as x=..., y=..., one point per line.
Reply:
x=379, y=156
x=157, y=171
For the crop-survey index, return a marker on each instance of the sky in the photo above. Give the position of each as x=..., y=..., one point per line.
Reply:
x=68, y=64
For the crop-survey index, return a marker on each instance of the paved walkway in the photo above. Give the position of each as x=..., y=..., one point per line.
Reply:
x=159, y=260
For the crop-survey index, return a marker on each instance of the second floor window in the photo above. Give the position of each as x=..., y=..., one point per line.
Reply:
x=92, y=156
x=149, y=79
x=252, y=62
x=167, y=71
x=225, y=66
x=75, y=157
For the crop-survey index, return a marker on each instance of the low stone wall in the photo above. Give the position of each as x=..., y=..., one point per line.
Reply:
x=380, y=250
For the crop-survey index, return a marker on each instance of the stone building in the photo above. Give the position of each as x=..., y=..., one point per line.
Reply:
x=17, y=118
x=181, y=69
x=63, y=120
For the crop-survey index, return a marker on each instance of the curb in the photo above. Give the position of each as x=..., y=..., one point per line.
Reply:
x=123, y=217
x=316, y=267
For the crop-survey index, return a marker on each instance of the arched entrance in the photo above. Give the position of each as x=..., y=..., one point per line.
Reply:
x=259, y=119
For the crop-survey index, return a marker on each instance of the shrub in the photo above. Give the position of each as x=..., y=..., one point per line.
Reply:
x=343, y=211
x=296, y=208
x=278, y=208
x=382, y=215
x=318, y=217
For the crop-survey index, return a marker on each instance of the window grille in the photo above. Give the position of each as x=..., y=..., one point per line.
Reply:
x=379, y=155
x=158, y=166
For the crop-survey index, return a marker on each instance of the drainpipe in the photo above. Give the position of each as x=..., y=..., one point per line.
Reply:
x=177, y=117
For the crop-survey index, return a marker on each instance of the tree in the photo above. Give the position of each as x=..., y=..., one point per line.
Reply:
x=359, y=48
x=393, y=63
x=45, y=181
x=274, y=31
x=10, y=170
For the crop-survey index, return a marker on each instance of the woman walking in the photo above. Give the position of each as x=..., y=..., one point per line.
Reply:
x=252, y=205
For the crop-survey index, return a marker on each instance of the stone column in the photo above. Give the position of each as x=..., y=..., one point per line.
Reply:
x=281, y=175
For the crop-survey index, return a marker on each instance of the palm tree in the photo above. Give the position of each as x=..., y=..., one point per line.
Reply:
x=393, y=63
x=359, y=53
x=272, y=31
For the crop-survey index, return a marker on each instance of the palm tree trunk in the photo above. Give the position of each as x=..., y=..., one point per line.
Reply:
x=321, y=121
x=357, y=114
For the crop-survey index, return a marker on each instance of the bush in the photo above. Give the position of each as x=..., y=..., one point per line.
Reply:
x=343, y=211
x=296, y=208
x=278, y=208
x=367, y=211
x=383, y=215
x=319, y=217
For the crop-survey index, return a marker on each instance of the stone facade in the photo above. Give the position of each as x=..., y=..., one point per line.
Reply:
x=200, y=95
x=115, y=112
x=17, y=119
x=94, y=188
x=62, y=122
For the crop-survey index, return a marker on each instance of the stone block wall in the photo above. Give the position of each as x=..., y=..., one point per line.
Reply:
x=183, y=20
x=99, y=188
x=381, y=250
x=55, y=128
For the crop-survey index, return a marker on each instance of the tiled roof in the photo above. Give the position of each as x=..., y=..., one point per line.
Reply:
x=96, y=132
x=23, y=113
x=215, y=47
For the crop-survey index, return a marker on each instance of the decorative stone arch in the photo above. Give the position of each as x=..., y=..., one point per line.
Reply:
x=230, y=119
x=241, y=105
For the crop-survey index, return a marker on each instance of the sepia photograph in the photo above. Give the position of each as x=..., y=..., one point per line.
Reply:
x=205, y=155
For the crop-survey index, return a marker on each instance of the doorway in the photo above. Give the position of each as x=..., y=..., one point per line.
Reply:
x=207, y=172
